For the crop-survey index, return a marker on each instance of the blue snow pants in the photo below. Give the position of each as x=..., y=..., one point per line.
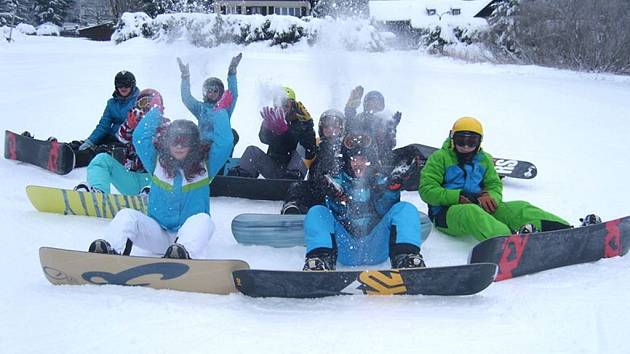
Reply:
x=372, y=248
x=104, y=171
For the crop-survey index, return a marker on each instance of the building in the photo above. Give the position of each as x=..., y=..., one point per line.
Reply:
x=297, y=8
x=423, y=13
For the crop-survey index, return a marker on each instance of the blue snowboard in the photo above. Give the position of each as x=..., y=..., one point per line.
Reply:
x=283, y=230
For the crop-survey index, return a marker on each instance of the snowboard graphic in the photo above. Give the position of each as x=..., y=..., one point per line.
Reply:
x=52, y=155
x=454, y=280
x=518, y=255
x=69, y=202
x=284, y=230
x=67, y=267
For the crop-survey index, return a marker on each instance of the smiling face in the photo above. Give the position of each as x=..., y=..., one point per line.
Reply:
x=179, y=152
x=213, y=94
x=124, y=91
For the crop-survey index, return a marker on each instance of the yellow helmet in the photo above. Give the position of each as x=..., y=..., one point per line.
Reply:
x=289, y=91
x=467, y=124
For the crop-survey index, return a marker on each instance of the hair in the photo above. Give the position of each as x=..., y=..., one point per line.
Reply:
x=193, y=165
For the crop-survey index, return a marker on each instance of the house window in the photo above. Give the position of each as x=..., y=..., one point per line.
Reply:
x=223, y=12
x=285, y=11
x=270, y=11
x=239, y=10
x=431, y=12
x=276, y=11
x=456, y=12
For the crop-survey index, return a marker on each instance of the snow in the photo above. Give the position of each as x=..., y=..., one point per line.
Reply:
x=573, y=126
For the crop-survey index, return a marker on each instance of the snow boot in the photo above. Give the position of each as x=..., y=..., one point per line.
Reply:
x=527, y=229
x=176, y=251
x=408, y=260
x=291, y=208
x=101, y=246
x=85, y=187
x=319, y=259
x=590, y=219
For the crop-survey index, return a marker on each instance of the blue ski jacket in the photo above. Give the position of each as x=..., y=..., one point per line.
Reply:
x=364, y=202
x=173, y=200
x=114, y=115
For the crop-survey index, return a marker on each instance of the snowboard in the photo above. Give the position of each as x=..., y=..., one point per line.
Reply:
x=52, y=155
x=454, y=280
x=69, y=202
x=68, y=267
x=505, y=167
x=283, y=230
x=518, y=255
x=250, y=188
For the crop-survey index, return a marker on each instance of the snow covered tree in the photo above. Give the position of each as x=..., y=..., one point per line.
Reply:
x=14, y=11
x=52, y=10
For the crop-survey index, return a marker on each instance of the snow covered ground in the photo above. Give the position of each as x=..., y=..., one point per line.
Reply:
x=573, y=126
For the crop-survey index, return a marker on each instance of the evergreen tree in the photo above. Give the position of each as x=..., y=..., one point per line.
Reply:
x=52, y=10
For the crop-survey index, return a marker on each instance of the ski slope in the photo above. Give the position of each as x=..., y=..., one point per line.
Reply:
x=573, y=126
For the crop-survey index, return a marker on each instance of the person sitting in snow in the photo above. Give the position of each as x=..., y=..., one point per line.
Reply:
x=123, y=167
x=465, y=195
x=283, y=128
x=363, y=220
x=214, y=95
x=383, y=126
x=182, y=159
x=303, y=195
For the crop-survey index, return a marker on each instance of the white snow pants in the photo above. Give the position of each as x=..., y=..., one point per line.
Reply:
x=147, y=234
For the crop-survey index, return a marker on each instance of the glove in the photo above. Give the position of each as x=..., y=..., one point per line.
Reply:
x=464, y=200
x=487, y=202
x=334, y=189
x=183, y=68
x=396, y=118
x=354, y=101
x=234, y=64
x=133, y=117
x=225, y=101
x=273, y=119
x=87, y=144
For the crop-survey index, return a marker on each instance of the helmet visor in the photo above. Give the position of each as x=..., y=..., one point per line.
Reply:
x=352, y=141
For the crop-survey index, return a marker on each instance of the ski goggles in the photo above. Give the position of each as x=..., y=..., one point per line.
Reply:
x=467, y=140
x=352, y=141
x=181, y=140
x=144, y=103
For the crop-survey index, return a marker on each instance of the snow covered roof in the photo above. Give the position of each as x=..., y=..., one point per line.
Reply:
x=426, y=12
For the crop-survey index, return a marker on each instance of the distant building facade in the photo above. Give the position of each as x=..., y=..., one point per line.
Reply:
x=297, y=8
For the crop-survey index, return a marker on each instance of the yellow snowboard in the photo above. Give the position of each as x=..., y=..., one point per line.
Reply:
x=68, y=267
x=69, y=202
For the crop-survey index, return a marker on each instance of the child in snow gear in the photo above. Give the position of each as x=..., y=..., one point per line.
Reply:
x=383, y=126
x=302, y=196
x=465, y=195
x=283, y=128
x=124, y=171
x=182, y=159
x=103, y=138
x=363, y=220
x=215, y=99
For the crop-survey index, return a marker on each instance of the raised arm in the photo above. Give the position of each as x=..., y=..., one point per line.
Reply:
x=189, y=101
x=143, y=138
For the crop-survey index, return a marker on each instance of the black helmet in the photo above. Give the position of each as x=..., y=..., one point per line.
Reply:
x=210, y=84
x=124, y=79
x=377, y=98
x=329, y=117
x=183, y=132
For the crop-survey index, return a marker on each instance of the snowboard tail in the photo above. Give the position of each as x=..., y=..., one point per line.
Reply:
x=518, y=255
x=52, y=155
x=283, y=230
x=454, y=280
x=251, y=188
x=69, y=202
x=68, y=267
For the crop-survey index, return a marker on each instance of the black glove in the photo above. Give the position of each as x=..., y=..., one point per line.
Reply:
x=396, y=118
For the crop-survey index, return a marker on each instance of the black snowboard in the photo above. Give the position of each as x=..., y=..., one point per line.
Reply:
x=505, y=167
x=252, y=188
x=454, y=280
x=51, y=155
x=518, y=255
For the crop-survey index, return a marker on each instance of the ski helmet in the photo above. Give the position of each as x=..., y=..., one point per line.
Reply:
x=328, y=118
x=124, y=79
x=289, y=91
x=149, y=98
x=212, y=83
x=467, y=124
x=182, y=132
x=377, y=99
